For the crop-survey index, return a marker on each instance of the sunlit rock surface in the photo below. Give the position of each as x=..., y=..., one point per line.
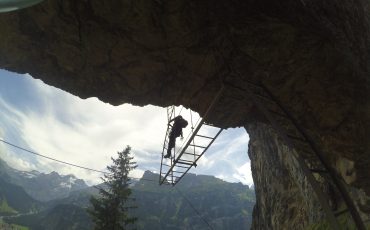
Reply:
x=313, y=56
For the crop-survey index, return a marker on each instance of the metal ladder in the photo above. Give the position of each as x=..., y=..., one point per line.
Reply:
x=170, y=115
x=311, y=160
x=175, y=168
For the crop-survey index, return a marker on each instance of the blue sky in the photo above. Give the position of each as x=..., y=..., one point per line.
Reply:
x=88, y=132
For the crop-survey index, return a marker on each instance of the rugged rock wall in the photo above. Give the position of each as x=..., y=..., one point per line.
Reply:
x=313, y=55
x=279, y=205
x=285, y=200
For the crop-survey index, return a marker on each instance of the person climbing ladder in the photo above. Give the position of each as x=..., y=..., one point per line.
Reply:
x=176, y=131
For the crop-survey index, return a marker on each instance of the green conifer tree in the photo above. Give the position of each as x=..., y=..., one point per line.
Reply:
x=111, y=209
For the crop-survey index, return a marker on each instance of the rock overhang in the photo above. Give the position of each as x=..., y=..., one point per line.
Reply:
x=313, y=56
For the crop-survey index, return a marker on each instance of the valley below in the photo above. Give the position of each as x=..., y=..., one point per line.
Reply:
x=38, y=201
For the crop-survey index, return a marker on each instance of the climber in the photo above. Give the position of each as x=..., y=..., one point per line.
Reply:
x=176, y=131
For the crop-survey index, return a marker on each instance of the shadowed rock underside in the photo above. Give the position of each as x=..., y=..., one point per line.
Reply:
x=313, y=56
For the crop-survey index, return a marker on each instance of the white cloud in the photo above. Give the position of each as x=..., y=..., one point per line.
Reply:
x=205, y=162
x=89, y=143
x=15, y=162
x=90, y=132
x=244, y=174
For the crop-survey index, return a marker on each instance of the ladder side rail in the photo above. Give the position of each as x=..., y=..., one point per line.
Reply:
x=213, y=103
x=333, y=174
x=163, y=149
x=172, y=160
x=209, y=145
x=204, y=150
x=189, y=135
x=170, y=111
x=192, y=129
x=182, y=175
x=200, y=155
x=171, y=176
x=315, y=186
x=176, y=181
x=184, y=148
x=174, y=115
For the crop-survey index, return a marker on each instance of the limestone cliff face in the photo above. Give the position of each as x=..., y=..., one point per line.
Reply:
x=312, y=55
x=280, y=201
x=284, y=198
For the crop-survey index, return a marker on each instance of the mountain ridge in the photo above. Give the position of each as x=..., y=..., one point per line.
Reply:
x=225, y=205
x=42, y=186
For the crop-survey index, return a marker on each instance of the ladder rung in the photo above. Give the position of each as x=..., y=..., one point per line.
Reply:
x=184, y=163
x=204, y=136
x=181, y=166
x=192, y=154
x=178, y=172
x=198, y=146
x=338, y=213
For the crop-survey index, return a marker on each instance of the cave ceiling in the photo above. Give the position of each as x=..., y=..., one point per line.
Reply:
x=312, y=55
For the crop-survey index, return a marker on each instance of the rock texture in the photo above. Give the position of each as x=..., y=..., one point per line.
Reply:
x=285, y=200
x=284, y=205
x=312, y=55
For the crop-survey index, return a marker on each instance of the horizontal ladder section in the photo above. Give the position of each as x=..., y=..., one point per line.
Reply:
x=187, y=157
x=202, y=136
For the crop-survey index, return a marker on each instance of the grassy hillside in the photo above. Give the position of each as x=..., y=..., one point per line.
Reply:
x=224, y=205
x=5, y=209
x=60, y=217
x=15, y=200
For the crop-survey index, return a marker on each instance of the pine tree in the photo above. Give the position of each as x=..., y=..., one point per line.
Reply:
x=110, y=210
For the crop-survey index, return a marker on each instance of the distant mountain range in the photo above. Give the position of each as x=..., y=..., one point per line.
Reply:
x=55, y=202
x=41, y=186
x=223, y=205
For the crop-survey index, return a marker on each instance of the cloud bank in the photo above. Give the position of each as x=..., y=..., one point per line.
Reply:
x=89, y=132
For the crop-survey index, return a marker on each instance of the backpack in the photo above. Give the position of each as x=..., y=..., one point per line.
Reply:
x=183, y=123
